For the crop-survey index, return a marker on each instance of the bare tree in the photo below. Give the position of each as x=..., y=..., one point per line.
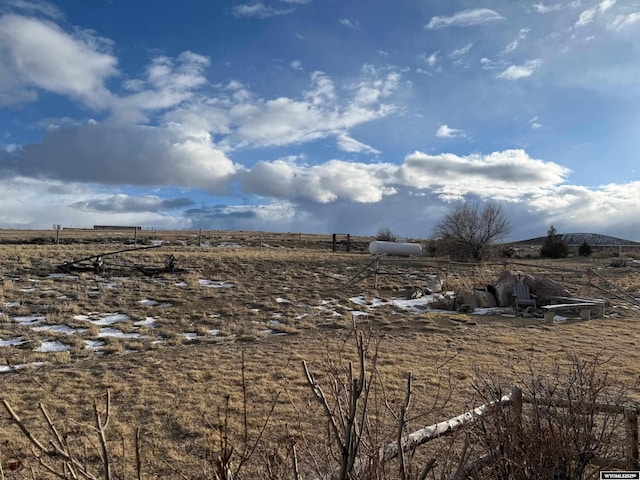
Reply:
x=386, y=234
x=469, y=229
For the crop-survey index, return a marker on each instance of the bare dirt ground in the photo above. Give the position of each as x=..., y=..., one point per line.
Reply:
x=173, y=349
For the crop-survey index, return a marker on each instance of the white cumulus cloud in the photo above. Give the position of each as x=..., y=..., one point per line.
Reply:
x=328, y=182
x=112, y=153
x=351, y=145
x=586, y=17
x=509, y=174
x=516, y=72
x=606, y=5
x=624, y=21
x=465, y=18
x=349, y=23
x=445, y=132
x=259, y=10
x=38, y=54
x=542, y=8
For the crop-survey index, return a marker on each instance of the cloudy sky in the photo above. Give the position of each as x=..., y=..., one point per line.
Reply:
x=320, y=115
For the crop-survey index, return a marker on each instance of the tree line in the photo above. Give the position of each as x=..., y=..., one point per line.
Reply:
x=471, y=231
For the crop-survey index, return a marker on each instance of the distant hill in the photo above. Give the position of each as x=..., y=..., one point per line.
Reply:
x=577, y=239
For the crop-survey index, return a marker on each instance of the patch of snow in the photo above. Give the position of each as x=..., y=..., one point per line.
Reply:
x=358, y=313
x=114, y=332
x=52, y=346
x=282, y=300
x=60, y=329
x=11, y=304
x=489, y=310
x=111, y=319
x=147, y=322
x=273, y=332
x=12, y=341
x=93, y=344
x=323, y=308
x=417, y=305
x=358, y=300
x=190, y=335
x=7, y=368
x=212, y=284
x=153, y=303
x=62, y=275
x=30, y=320
x=214, y=331
x=181, y=284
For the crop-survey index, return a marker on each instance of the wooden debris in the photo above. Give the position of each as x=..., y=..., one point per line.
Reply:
x=169, y=267
x=95, y=263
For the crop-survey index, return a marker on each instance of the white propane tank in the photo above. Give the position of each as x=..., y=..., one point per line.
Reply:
x=378, y=247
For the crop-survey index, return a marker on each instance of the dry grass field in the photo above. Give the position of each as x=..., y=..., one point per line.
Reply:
x=223, y=341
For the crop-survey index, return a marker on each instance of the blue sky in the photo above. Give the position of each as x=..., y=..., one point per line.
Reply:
x=320, y=115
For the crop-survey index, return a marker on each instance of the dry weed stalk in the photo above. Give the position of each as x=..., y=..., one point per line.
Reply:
x=348, y=416
x=225, y=460
x=60, y=458
x=569, y=426
x=354, y=424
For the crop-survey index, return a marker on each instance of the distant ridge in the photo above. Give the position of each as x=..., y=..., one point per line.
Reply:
x=577, y=239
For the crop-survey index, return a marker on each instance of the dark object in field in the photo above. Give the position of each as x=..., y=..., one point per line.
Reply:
x=92, y=264
x=95, y=263
x=169, y=267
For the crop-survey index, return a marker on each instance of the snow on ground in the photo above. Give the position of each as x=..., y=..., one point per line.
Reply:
x=8, y=368
x=59, y=329
x=147, y=322
x=114, y=332
x=360, y=305
x=102, y=319
x=94, y=344
x=211, y=284
x=12, y=341
x=152, y=303
x=52, y=346
x=30, y=320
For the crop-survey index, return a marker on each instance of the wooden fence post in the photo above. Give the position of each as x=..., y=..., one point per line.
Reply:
x=631, y=422
x=516, y=404
x=348, y=243
x=334, y=242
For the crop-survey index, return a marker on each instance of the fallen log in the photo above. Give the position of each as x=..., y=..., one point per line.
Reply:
x=420, y=437
x=95, y=263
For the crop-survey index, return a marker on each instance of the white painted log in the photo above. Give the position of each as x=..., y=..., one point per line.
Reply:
x=426, y=434
x=422, y=436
